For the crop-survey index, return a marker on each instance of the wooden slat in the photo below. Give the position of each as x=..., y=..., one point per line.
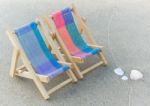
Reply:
x=66, y=63
x=92, y=67
x=77, y=59
x=26, y=74
x=102, y=57
x=14, y=62
x=96, y=46
x=21, y=67
x=59, y=86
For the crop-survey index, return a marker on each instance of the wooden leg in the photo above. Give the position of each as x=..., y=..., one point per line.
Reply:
x=72, y=76
x=77, y=71
x=101, y=56
x=38, y=83
x=14, y=61
x=92, y=67
x=36, y=80
x=41, y=88
x=54, y=89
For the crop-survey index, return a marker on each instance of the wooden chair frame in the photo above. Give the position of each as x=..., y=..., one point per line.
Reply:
x=26, y=70
x=82, y=27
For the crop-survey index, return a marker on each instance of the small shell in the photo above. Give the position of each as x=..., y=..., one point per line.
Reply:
x=119, y=71
x=135, y=75
x=124, y=78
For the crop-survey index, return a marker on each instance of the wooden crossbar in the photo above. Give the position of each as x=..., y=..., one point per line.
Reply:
x=26, y=74
x=92, y=67
x=59, y=86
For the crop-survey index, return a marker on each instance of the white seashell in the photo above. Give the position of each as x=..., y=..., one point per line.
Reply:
x=124, y=78
x=135, y=75
x=119, y=71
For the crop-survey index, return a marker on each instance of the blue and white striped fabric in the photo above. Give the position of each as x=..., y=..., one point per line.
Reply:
x=43, y=62
x=74, y=33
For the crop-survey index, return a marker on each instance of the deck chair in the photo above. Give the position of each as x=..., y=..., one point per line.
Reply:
x=69, y=36
x=38, y=62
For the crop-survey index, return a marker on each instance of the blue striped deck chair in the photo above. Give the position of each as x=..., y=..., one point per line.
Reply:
x=70, y=28
x=39, y=62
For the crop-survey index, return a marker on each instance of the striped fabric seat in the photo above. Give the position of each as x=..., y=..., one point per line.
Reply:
x=70, y=35
x=37, y=52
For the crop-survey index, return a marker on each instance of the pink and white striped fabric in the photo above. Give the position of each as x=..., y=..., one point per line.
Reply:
x=63, y=33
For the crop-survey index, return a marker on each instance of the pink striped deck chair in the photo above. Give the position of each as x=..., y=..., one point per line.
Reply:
x=68, y=31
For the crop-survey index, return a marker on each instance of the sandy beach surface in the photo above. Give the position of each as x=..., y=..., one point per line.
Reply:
x=122, y=26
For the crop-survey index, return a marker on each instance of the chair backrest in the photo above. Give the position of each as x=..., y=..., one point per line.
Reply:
x=72, y=29
x=36, y=50
x=60, y=26
x=68, y=31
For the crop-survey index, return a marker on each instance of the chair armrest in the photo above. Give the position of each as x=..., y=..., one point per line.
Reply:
x=96, y=46
x=84, y=19
x=66, y=63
